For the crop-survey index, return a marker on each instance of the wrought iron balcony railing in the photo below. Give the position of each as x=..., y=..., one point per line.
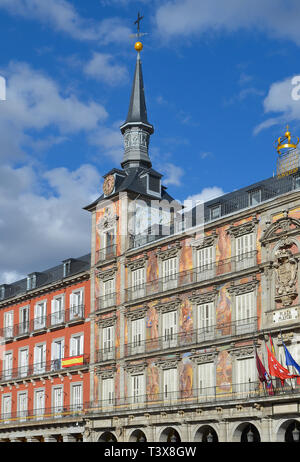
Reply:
x=73, y=314
x=8, y=375
x=106, y=254
x=193, y=337
x=106, y=354
x=204, y=396
x=42, y=414
x=106, y=301
x=183, y=278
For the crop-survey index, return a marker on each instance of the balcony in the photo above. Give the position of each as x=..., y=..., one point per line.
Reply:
x=41, y=368
x=187, y=277
x=106, y=301
x=106, y=254
x=193, y=398
x=42, y=414
x=194, y=337
x=106, y=354
x=37, y=325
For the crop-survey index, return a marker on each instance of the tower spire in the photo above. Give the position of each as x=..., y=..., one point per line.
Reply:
x=136, y=129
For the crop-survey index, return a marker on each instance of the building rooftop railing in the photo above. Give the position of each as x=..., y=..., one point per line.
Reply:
x=183, y=278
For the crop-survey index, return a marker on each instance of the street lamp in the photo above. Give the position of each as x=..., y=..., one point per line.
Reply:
x=296, y=434
x=209, y=437
x=250, y=436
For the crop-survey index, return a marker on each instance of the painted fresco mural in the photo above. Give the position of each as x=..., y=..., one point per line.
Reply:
x=224, y=372
x=186, y=376
x=223, y=310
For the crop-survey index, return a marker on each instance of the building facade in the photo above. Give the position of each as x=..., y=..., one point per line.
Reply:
x=175, y=306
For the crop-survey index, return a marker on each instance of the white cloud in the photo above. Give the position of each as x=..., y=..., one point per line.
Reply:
x=206, y=194
x=189, y=17
x=281, y=103
x=38, y=231
x=63, y=17
x=102, y=68
x=173, y=174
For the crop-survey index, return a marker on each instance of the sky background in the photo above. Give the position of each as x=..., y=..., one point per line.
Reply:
x=218, y=89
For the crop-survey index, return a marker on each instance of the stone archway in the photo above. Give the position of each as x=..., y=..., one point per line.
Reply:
x=169, y=435
x=246, y=432
x=289, y=431
x=107, y=437
x=206, y=434
x=138, y=436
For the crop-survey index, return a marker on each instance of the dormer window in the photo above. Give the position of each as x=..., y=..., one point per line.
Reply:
x=31, y=281
x=2, y=292
x=66, y=268
x=254, y=197
x=215, y=212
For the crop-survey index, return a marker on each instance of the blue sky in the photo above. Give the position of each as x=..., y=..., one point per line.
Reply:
x=218, y=87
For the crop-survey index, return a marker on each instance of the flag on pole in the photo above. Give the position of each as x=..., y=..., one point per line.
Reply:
x=277, y=370
x=263, y=375
x=271, y=345
x=290, y=360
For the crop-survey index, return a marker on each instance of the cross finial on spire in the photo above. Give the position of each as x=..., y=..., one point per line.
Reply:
x=139, y=19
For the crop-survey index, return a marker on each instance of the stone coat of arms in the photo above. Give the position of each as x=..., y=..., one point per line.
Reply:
x=285, y=266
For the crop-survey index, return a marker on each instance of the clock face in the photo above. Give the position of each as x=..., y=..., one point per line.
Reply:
x=108, y=185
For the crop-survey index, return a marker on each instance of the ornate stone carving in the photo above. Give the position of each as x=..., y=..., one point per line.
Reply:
x=107, y=322
x=207, y=297
x=106, y=373
x=200, y=358
x=169, y=363
x=108, y=220
x=137, y=313
x=285, y=266
x=204, y=241
x=244, y=228
x=138, y=263
x=243, y=351
x=171, y=251
x=282, y=227
x=169, y=306
x=240, y=289
x=108, y=274
x=135, y=369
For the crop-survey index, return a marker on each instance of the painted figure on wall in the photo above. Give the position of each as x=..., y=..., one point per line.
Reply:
x=223, y=312
x=152, y=328
x=186, y=322
x=223, y=252
x=152, y=382
x=224, y=372
x=186, y=377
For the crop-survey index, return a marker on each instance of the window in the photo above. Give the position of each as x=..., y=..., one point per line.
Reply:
x=57, y=310
x=76, y=304
x=109, y=243
x=107, y=392
x=246, y=376
x=39, y=403
x=169, y=329
x=108, y=342
x=66, y=268
x=31, y=281
x=244, y=312
x=40, y=359
x=57, y=400
x=23, y=362
x=138, y=389
x=170, y=384
x=169, y=273
x=6, y=407
x=138, y=283
x=215, y=212
x=245, y=255
x=205, y=321
x=137, y=335
x=57, y=353
x=108, y=293
x=24, y=320
x=205, y=263
x=7, y=365
x=22, y=405
x=206, y=381
x=76, y=396
x=2, y=292
x=76, y=347
x=254, y=197
x=40, y=310
x=8, y=324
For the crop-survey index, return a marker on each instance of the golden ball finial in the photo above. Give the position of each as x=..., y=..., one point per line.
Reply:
x=138, y=46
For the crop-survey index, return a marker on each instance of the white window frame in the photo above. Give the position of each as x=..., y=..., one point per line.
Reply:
x=57, y=408
x=40, y=366
x=23, y=368
x=76, y=401
x=108, y=343
x=57, y=315
x=169, y=271
x=170, y=329
x=137, y=387
x=6, y=415
x=245, y=312
x=76, y=303
x=245, y=251
x=206, y=320
x=22, y=405
x=138, y=281
x=8, y=364
x=23, y=327
x=138, y=335
x=39, y=411
x=40, y=320
x=243, y=387
x=206, y=375
x=77, y=344
x=205, y=262
x=170, y=385
x=56, y=361
x=108, y=290
x=108, y=392
x=8, y=326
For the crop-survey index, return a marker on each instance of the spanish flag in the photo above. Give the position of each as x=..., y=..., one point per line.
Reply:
x=73, y=361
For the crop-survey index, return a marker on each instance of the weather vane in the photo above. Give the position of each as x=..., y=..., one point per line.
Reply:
x=138, y=24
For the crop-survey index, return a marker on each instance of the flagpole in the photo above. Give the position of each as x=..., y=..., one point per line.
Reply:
x=263, y=355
